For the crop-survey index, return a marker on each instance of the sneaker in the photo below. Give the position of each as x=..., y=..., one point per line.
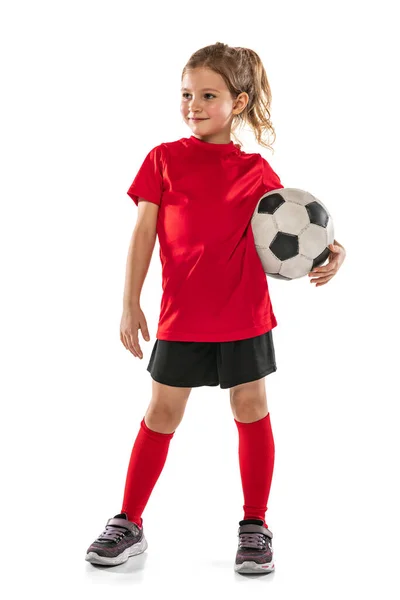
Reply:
x=254, y=554
x=120, y=540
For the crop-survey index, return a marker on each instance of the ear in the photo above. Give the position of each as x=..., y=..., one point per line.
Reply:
x=240, y=103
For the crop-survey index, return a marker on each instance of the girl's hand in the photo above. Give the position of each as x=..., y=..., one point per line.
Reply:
x=132, y=320
x=325, y=273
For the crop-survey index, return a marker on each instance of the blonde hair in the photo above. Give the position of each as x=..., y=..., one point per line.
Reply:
x=242, y=71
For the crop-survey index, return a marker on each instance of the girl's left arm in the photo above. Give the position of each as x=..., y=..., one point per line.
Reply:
x=325, y=273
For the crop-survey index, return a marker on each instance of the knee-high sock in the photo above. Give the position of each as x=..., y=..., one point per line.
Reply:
x=256, y=461
x=148, y=457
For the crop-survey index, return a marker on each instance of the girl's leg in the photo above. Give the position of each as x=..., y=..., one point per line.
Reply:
x=150, y=449
x=256, y=446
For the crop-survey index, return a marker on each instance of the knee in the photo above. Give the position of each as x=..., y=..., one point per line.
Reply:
x=248, y=410
x=162, y=419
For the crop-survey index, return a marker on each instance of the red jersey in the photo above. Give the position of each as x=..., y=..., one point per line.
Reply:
x=214, y=285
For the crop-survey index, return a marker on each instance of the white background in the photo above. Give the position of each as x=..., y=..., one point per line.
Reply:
x=88, y=89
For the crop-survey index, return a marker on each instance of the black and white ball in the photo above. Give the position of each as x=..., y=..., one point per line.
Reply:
x=292, y=231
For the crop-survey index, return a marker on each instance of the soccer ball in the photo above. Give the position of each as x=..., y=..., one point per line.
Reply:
x=292, y=231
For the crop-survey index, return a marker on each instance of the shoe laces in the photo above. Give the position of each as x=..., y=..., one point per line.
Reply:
x=112, y=533
x=253, y=540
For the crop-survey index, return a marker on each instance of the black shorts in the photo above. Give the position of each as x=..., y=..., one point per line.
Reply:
x=194, y=364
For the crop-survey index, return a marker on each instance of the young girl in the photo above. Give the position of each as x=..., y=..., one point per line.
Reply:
x=216, y=319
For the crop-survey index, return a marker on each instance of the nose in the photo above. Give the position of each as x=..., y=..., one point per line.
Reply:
x=194, y=105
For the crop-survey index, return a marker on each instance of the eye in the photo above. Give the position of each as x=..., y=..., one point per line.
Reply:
x=207, y=94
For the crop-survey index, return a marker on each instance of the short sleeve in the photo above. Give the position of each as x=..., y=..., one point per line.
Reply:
x=148, y=183
x=270, y=178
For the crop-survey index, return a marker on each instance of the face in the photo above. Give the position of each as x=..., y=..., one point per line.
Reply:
x=205, y=97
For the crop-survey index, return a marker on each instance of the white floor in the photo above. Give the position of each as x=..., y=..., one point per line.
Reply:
x=331, y=512
x=315, y=559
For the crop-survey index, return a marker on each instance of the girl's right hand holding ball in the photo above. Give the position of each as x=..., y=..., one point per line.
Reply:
x=132, y=320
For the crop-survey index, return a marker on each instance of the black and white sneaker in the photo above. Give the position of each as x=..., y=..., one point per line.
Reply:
x=120, y=540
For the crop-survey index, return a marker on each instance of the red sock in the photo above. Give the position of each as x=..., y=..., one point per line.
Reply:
x=147, y=460
x=256, y=461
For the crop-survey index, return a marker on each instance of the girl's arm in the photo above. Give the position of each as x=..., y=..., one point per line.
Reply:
x=140, y=252
x=321, y=275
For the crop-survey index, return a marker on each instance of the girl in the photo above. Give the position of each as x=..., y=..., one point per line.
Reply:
x=216, y=319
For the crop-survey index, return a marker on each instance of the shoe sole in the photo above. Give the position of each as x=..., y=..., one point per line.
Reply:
x=133, y=550
x=249, y=566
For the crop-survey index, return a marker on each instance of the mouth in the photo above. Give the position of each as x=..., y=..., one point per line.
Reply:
x=198, y=119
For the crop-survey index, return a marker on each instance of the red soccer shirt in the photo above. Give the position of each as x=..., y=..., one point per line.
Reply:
x=214, y=285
